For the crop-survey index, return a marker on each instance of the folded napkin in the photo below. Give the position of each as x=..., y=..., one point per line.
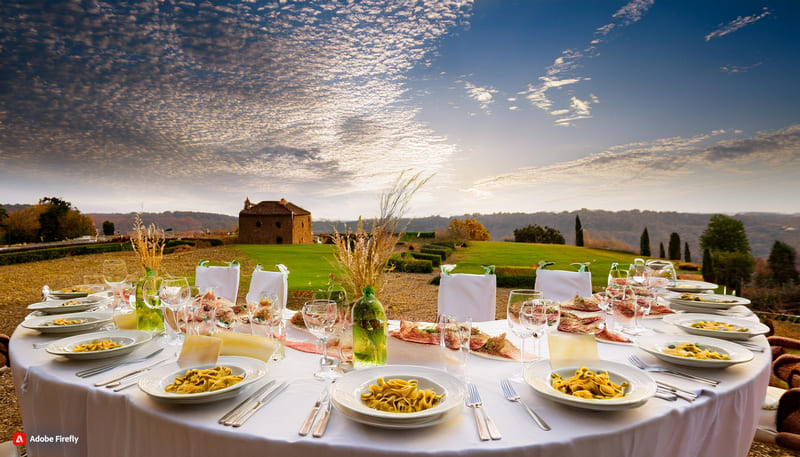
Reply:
x=224, y=279
x=561, y=285
x=271, y=283
x=468, y=295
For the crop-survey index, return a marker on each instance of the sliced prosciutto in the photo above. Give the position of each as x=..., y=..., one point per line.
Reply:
x=586, y=304
x=479, y=341
x=592, y=325
x=413, y=332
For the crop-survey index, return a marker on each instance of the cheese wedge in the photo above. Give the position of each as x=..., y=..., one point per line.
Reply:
x=199, y=350
x=257, y=347
x=125, y=321
x=567, y=347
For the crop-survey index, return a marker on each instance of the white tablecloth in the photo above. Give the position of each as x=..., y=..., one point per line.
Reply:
x=56, y=403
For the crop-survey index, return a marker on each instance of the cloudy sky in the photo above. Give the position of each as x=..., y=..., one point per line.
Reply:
x=157, y=105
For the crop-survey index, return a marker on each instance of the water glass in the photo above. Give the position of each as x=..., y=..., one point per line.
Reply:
x=266, y=312
x=520, y=305
x=175, y=294
x=622, y=302
x=454, y=343
x=204, y=313
x=320, y=319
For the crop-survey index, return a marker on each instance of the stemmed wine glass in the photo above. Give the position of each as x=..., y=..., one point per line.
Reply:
x=175, y=294
x=553, y=314
x=660, y=273
x=115, y=273
x=320, y=319
x=520, y=305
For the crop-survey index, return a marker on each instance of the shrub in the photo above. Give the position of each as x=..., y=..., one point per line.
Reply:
x=56, y=253
x=445, y=243
x=435, y=259
x=516, y=271
x=515, y=281
x=688, y=266
x=443, y=253
x=402, y=265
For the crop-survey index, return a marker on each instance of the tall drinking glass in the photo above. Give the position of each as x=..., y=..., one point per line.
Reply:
x=115, y=272
x=320, y=319
x=520, y=303
x=454, y=343
x=175, y=294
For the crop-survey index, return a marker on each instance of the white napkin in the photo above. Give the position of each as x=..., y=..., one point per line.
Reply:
x=272, y=282
x=561, y=285
x=224, y=279
x=467, y=295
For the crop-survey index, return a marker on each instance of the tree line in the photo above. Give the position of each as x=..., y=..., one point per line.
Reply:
x=52, y=219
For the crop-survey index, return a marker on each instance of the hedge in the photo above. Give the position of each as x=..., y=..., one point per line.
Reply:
x=436, y=260
x=505, y=281
x=442, y=252
x=411, y=236
x=447, y=244
x=516, y=271
x=402, y=265
x=12, y=258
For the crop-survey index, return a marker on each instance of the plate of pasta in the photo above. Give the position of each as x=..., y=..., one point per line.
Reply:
x=72, y=305
x=694, y=351
x=202, y=383
x=707, y=301
x=716, y=326
x=68, y=323
x=99, y=345
x=398, y=396
x=594, y=384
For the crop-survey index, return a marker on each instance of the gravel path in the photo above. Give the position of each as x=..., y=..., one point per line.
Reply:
x=406, y=296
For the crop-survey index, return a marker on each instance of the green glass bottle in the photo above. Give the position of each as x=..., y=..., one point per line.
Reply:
x=369, y=331
x=149, y=314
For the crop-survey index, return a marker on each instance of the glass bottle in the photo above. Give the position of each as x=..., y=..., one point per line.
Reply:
x=369, y=331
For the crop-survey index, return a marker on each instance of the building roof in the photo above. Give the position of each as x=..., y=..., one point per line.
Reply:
x=274, y=208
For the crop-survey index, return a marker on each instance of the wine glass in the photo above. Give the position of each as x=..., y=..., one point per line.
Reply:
x=660, y=274
x=150, y=317
x=535, y=318
x=553, y=314
x=175, y=294
x=320, y=319
x=520, y=303
x=115, y=272
x=454, y=343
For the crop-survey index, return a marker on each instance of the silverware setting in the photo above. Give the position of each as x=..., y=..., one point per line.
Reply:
x=637, y=362
x=486, y=427
x=665, y=395
x=117, y=380
x=749, y=345
x=237, y=409
x=266, y=398
x=322, y=425
x=103, y=368
x=511, y=395
x=307, y=424
x=684, y=394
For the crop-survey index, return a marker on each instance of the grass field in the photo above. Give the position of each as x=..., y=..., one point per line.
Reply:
x=309, y=264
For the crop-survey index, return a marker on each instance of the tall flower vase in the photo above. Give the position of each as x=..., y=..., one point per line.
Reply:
x=149, y=312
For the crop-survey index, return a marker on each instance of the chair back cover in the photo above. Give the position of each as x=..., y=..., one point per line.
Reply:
x=273, y=282
x=562, y=285
x=464, y=295
x=225, y=279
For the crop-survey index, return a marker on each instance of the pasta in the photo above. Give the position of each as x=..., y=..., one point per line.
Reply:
x=204, y=380
x=691, y=350
x=96, y=345
x=718, y=326
x=400, y=396
x=588, y=384
x=62, y=321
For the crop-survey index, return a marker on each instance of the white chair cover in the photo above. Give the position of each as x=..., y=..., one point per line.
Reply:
x=468, y=295
x=562, y=285
x=225, y=279
x=273, y=282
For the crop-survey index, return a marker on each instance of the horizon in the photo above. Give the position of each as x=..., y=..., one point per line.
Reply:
x=527, y=106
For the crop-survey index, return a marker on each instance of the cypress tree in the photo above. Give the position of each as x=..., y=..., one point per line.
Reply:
x=661, y=253
x=674, y=246
x=708, y=267
x=644, y=244
x=687, y=256
x=578, y=231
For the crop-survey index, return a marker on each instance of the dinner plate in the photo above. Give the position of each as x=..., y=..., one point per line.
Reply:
x=751, y=329
x=89, y=321
x=346, y=392
x=641, y=385
x=155, y=382
x=687, y=285
x=397, y=424
x=655, y=345
x=710, y=301
x=66, y=306
x=129, y=339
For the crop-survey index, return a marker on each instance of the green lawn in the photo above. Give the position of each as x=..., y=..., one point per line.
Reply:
x=309, y=264
x=529, y=254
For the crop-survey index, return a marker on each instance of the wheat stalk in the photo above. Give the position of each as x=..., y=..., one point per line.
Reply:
x=148, y=244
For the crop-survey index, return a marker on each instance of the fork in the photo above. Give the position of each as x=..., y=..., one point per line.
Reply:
x=476, y=402
x=511, y=395
x=103, y=368
x=636, y=361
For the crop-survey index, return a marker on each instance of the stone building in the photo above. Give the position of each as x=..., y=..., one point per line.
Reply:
x=274, y=222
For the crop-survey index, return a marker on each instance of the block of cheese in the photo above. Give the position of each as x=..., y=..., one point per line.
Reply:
x=566, y=347
x=258, y=347
x=199, y=350
x=125, y=321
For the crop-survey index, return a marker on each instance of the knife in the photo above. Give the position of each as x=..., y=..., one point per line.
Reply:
x=313, y=414
x=319, y=430
x=117, y=381
x=263, y=401
x=238, y=408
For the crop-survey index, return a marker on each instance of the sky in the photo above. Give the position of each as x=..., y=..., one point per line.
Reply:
x=509, y=106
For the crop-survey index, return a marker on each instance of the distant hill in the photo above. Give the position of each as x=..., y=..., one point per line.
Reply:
x=183, y=222
x=621, y=227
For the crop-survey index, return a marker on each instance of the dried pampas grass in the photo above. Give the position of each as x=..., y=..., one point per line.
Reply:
x=148, y=244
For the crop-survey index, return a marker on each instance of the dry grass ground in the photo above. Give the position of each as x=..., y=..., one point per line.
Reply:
x=406, y=296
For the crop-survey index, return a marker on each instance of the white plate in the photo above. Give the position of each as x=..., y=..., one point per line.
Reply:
x=156, y=381
x=129, y=339
x=91, y=321
x=64, y=306
x=641, y=385
x=66, y=295
x=685, y=322
x=346, y=392
x=403, y=424
x=687, y=285
x=711, y=301
x=528, y=357
x=655, y=344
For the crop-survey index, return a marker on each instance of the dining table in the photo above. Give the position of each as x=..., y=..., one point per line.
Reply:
x=65, y=415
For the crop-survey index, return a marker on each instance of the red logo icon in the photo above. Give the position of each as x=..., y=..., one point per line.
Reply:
x=19, y=439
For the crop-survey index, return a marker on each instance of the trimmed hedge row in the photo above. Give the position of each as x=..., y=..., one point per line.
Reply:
x=447, y=244
x=516, y=271
x=411, y=236
x=406, y=265
x=435, y=259
x=12, y=258
x=510, y=281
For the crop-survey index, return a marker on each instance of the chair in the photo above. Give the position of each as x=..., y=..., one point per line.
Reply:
x=464, y=295
x=562, y=285
x=276, y=282
x=225, y=279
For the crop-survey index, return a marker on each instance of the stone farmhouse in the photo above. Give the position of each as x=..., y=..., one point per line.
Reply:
x=274, y=222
